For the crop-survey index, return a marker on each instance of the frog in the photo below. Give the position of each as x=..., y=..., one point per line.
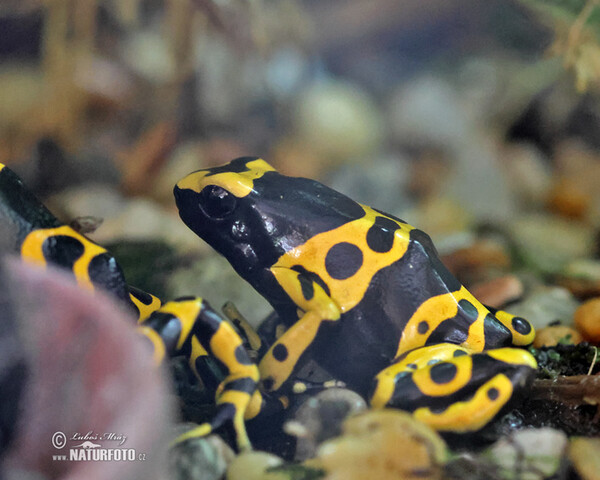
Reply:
x=361, y=294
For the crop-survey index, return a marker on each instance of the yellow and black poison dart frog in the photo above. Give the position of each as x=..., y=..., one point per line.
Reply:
x=361, y=293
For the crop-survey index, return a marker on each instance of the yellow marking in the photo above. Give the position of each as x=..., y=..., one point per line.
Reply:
x=223, y=344
x=320, y=303
x=384, y=387
x=516, y=356
x=204, y=429
x=2, y=166
x=472, y=414
x=518, y=339
x=255, y=405
x=241, y=436
x=201, y=430
x=350, y=291
x=145, y=310
x=235, y=397
x=197, y=351
x=186, y=312
x=32, y=252
x=296, y=340
x=434, y=311
x=464, y=370
x=239, y=184
x=234, y=315
x=419, y=359
x=301, y=334
x=159, y=352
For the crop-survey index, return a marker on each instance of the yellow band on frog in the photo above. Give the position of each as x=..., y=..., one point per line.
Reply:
x=239, y=184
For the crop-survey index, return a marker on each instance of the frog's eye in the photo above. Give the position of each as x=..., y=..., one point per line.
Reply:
x=216, y=202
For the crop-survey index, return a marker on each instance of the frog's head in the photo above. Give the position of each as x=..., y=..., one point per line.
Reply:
x=252, y=215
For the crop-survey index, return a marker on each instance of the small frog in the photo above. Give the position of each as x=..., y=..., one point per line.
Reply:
x=360, y=293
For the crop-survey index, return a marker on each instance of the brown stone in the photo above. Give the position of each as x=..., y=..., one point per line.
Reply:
x=587, y=320
x=498, y=291
x=551, y=336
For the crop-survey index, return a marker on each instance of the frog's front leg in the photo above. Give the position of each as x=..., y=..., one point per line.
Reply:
x=451, y=388
x=315, y=306
x=190, y=327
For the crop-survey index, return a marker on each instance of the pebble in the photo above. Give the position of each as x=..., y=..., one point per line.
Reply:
x=321, y=418
x=587, y=320
x=529, y=454
x=547, y=242
x=498, y=291
x=528, y=172
x=555, y=334
x=545, y=305
x=428, y=173
x=428, y=112
x=473, y=262
x=254, y=465
x=478, y=185
x=383, y=444
x=338, y=120
x=439, y=216
x=94, y=200
x=296, y=159
x=148, y=54
x=579, y=163
x=381, y=182
x=567, y=199
x=583, y=453
x=203, y=458
x=144, y=219
x=581, y=277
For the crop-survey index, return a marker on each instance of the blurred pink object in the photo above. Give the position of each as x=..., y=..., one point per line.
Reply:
x=89, y=372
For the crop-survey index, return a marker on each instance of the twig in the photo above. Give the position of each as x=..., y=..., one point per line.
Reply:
x=593, y=360
x=574, y=390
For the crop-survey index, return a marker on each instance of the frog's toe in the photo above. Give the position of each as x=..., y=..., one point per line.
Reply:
x=521, y=330
x=226, y=413
x=458, y=394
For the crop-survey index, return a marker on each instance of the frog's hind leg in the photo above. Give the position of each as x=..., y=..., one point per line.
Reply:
x=190, y=327
x=451, y=388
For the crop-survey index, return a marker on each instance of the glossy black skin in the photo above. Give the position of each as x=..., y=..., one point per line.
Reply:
x=20, y=211
x=284, y=212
